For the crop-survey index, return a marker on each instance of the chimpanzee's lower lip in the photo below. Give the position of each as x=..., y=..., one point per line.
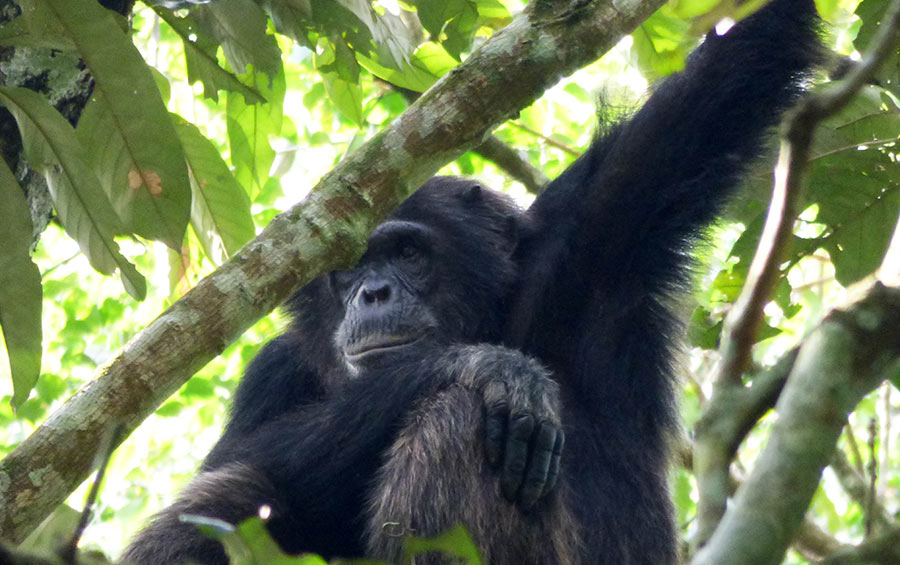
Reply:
x=360, y=351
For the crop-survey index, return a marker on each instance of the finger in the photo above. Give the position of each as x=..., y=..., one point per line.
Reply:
x=538, y=465
x=516, y=456
x=553, y=471
x=495, y=431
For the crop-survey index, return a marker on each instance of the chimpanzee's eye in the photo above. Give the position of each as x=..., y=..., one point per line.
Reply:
x=409, y=251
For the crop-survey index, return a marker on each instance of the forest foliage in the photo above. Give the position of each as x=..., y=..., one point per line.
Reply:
x=208, y=119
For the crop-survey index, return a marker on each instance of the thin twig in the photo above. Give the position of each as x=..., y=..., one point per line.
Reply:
x=68, y=552
x=549, y=140
x=873, y=476
x=854, y=447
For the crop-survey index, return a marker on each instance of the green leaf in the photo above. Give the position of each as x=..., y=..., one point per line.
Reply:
x=492, y=10
x=860, y=221
x=661, y=43
x=388, y=31
x=220, y=210
x=58, y=526
x=141, y=201
x=291, y=18
x=429, y=63
x=249, y=543
x=872, y=12
x=20, y=32
x=53, y=149
x=692, y=8
x=849, y=153
x=20, y=288
x=455, y=541
x=346, y=96
x=201, y=61
x=37, y=27
x=341, y=60
x=240, y=27
x=249, y=128
x=452, y=22
x=128, y=131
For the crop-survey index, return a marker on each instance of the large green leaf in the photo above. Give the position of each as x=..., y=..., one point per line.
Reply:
x=856, y=184
x=142, y=204
x=20, y=288
x=249, y=128
x=127, y=127
x=220, y=213
x=858, y=194
x=240, y=27
x=53, y=149
x=200, y=58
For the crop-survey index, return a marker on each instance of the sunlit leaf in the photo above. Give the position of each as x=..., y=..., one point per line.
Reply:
x=347, y=96
x=200, y=58
x=429, y=63
x=20, y=288
x=240, y=27
x=129, y=133
x=492, y=10
x=661, y=43
x=53, y=149
x=220, y=212
x=249, y=128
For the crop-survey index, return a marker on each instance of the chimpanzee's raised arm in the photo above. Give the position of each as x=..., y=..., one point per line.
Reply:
x=623, y=214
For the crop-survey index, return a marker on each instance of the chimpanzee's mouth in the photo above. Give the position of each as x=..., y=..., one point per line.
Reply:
x=377, y=344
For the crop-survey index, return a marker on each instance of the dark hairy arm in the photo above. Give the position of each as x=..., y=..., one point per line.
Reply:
x=314, y=464
x=620, y=220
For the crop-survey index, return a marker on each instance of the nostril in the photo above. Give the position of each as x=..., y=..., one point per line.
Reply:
x=376, y=294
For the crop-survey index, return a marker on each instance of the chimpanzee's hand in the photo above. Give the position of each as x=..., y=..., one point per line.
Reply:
x=523, y=434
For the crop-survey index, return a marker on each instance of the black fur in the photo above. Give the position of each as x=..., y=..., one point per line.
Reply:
x=351, y=451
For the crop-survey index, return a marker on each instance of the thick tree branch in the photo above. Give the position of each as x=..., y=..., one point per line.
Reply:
x=727, y=418
x=543, y=43
x=844, y=359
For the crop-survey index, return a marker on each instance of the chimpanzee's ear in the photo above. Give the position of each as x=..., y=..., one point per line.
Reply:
x=473, y=194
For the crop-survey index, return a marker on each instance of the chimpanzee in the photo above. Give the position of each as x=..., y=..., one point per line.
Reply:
x=431, y=384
